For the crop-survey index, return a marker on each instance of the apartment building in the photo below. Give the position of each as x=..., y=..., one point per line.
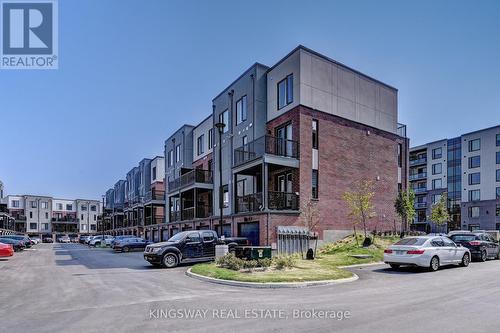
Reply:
x=1, y=190
x=467, y=168
x=44, y=216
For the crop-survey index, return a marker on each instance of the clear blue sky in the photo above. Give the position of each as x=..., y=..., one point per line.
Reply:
x=131, y=72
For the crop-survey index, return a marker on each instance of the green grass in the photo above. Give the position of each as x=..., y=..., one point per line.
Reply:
x=324, y=267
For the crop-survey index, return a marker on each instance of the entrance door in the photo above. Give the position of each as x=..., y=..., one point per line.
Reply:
x=251, y=231
x=284, y=136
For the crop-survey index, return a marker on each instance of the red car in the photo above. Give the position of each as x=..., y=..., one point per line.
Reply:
x=6, y=250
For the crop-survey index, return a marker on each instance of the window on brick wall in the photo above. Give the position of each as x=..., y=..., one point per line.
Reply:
x=315, y=138
x=314, y=183
x=210, y=138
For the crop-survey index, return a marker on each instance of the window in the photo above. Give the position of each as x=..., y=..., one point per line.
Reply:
x=93, y=208
x=437, y=168
x=224, y=118
x=178, y=153
x=193, y=238
x=400, y=155
x=33, y=204
x=154, y=173
x=498, y=157
x=498, y=192
x=474, y=162
x=83, y=207
x=498, y=212
x=437, y=153
x=241, y=110
x=44, y=205
x=474, y=195
x=474, y=211
x=81, y=217
x=171, y=158
x=199, y=144
x=69, y=207
x=473, y=227
x=32, y=226
x=435, y=198
x=314, y=183
x=285, y=91
x=45, y=226
x=474, y=178
x=245, y=142
x=498, y=140
x=474, y=145
x=46, y=215
x=15, y=203
x=315, y=134
x=225, y=196
x=95, y=217
x=208, y=236
x=210, y=138
x=83, y=227
x=93, y=227
x=498, y=175
x=59, y=206
x=31, y=215
x=437, y=184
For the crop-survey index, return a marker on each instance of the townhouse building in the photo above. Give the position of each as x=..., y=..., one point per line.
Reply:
x=45, y=216
x=467, y=169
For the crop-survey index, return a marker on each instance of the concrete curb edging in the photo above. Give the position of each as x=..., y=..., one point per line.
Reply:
x=270, y=284
x=363, y=265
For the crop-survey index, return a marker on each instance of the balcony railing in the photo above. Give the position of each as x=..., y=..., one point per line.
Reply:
x=189, y=178
x=416, y=176
x=266, y=145
x=65, y=219
x=422, y=160
x=175, y=216
x=420, y=190
x=20, y=218
x=154, y=195
x=150, y=220
x=283, y=201
x=249, y=203
x=420, y=205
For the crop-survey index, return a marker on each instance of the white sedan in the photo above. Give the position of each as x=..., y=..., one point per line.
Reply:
x=426, y=251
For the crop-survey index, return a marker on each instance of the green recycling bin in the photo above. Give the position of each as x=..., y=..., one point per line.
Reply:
x=253, y=252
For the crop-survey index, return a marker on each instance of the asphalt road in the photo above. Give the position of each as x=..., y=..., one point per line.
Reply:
x=71, y=288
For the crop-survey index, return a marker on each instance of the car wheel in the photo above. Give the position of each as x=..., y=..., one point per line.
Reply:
x=97, y=244
x=484, y=256
x=170, y=260
x=394, y=266
x=465, y=260
x=126, y=249
x=434, y=266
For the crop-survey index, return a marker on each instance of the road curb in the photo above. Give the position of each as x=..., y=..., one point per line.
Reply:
x=271, y=285
x=363, y=265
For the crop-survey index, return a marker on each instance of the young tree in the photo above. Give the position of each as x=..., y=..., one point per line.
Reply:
x=310, y=218
x=439, y=213
x=360, y=204
x=404, y=205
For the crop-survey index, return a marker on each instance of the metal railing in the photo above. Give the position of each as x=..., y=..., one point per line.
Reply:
x=422, y=160
x=65, y=219
x=249, y=203
x=283, y=201
x=401, y=130
x=266, y=145
x=416, y=176
x=191, y=177
x=154, y=195
x=158, y=219
x=175, y=216
x=420, y=204
x=420, y=190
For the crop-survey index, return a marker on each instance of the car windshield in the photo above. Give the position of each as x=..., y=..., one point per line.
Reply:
x=411, y=241
x=177, y=237
x=463, y=238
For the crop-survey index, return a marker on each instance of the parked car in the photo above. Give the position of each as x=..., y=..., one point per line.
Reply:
x=188, y=246
x=117, y=238
x=88, y=239
x=64, y=239
x=96, y=240
x=131, y=244
x=47, y=240
x=6, y=250
x=73, y=239
x=25, y=239
x=83, y=239
x=426, y=251
x=18, y=245
x=36, y=240
x=481, y=245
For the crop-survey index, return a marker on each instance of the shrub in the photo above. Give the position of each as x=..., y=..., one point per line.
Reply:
x=229, y=261
x=249, y=264
x=265, y=263
x=284, y=262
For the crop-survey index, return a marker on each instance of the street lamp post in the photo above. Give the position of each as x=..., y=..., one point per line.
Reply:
x=220, y=126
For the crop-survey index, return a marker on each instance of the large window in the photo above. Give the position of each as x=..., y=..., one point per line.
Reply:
x=200, y=149
x=69, y=207
x=498, y=157
x=437, y=168
x=225, y=196
x=224, y=118
x=154, y=173
x=93, y=208
x=15, y=203
x=210, y=138
x=244, y=141
x=314, y=183
x=44, y=205
x=83, y=208
x=474, y=178
x=178, y=153
x=437, y=184
x=241, y=110
x=474, y=195
x=33, y=204
x=474, y=211
x=315, y=138
x=33, y=226
x=498, y=192
x=285, y=91
x=498, y=140
x=474, y=162
x=498, y=175
x=59, y=206
x=437, y=153
x=474, y=145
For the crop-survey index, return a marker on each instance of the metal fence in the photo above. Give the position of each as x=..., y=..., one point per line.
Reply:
x=292, y=239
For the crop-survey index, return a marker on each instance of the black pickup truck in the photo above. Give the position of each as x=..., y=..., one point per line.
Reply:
x=189, y=246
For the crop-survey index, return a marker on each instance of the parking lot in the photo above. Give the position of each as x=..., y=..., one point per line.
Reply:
x=70, y=287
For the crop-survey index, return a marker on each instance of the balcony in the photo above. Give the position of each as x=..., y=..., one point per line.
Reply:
x=175, y=216
x=155, y=195
x=276, y=201
x=198, y=212
x=190, y=178
x=419, y=205
x=418, y=161
x=418, y=176
x=266, y=145
x=151, y=220
x=420, y=190
x=65, y=219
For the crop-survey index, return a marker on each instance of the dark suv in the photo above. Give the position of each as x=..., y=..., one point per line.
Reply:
x=481, y=245
x=189, y=246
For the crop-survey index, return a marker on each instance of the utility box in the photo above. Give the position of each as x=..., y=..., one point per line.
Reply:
x=221, y=250
x=252, y=252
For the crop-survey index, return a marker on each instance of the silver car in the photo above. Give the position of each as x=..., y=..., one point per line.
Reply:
x=426, y=251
